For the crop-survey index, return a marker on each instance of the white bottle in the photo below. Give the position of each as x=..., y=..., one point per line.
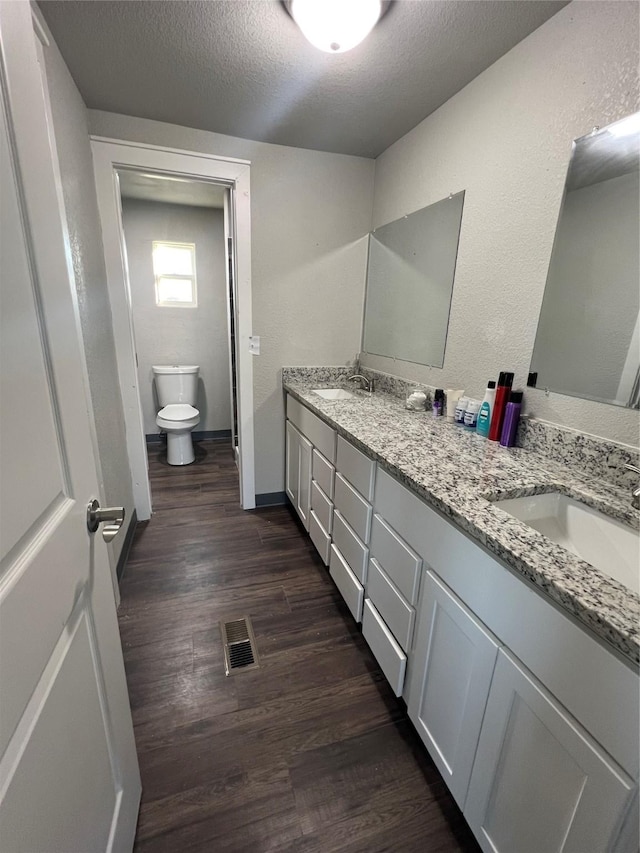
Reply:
x=452, y=397
x=471, y=414
x=486, y=410
x=461, y=408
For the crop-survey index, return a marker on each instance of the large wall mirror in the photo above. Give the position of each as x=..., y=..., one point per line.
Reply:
x=410, y=275
x=588, y=339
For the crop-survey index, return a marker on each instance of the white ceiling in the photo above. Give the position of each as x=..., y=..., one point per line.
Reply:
x=170, y=190
x=242, y=67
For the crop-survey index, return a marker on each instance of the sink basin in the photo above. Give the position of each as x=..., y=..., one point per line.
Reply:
x=609, y=545
x=334, y=394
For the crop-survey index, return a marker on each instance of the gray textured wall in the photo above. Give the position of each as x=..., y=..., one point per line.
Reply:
x=310, y=213
x=167, y=335
x=81, y=207
x=506, y=139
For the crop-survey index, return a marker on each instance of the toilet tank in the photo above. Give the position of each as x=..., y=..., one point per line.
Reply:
x=176, y=383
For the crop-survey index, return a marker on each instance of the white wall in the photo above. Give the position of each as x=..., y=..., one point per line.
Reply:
x=506, y=139
x=585, y=332
x=166, y=335
x=81, y=208
x=310, y=212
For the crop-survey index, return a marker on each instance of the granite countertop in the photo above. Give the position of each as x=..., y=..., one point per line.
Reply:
x=458, y=473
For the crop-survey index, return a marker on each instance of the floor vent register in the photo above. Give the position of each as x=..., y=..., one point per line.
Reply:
x=240, y=653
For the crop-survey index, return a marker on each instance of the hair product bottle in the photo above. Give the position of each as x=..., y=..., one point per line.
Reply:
x=505, y=381
x=511, y=418
x=486, y=409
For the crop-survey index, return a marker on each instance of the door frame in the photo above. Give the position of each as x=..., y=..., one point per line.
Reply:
x=109, y=155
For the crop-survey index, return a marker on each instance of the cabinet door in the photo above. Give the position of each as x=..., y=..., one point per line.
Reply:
x=298, y=472
x=305, y=451
x=540, y=782
x=292, y=457
x=450, y=677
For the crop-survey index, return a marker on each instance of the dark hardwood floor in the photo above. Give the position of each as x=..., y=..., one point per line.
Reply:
x=309, y=753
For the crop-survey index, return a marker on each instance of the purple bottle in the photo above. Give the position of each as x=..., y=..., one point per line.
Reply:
x=511, y=418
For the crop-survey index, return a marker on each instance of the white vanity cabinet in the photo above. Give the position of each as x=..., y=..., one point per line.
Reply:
x=309, y=472
x=540, y=782
x=532, y=722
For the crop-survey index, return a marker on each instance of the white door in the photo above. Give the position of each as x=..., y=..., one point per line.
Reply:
x=69, y=777
x=540, y=783
x=450, y=676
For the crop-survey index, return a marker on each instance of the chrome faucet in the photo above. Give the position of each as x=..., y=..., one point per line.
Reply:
x=635, y=500
x=365, y=384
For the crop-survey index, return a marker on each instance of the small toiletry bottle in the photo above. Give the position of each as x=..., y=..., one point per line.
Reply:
x=511, y=418
x=503, y=390
x=452, y=401
x=461, y=408
x=486, y=408
x=438, y=403
x=471, y=414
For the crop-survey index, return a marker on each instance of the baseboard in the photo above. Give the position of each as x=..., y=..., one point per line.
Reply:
x=215, y=434
x=128, y=541
x=210, y=434
x=271, y=499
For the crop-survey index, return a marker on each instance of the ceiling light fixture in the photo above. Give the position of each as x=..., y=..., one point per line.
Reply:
x=336, y=26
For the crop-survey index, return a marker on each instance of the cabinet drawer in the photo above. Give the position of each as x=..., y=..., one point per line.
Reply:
x=407, y=514
x=399, y=561
x=358, y=469
x=353, y=507
x=322, y=506
x=319, y=537
x=351, y=548
x=395, y=611
x=347, y=583
x=323, y=473
x=387, y=652
x=320, y=434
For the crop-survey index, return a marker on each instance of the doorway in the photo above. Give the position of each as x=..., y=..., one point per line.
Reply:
x=176, y=251
x=187, y=171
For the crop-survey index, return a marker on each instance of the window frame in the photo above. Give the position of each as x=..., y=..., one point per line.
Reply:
x=164, y=275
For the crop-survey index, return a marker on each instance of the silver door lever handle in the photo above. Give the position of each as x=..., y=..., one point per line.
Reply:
x=111, y=516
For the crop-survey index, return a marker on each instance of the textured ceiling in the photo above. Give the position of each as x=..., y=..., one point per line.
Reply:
x=242, y=67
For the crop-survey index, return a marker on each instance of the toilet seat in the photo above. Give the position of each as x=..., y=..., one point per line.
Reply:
x=178, y=417
x=178, y=412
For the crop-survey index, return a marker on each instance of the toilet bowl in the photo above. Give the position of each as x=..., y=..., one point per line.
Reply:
x=177, y=387
x=177, y=420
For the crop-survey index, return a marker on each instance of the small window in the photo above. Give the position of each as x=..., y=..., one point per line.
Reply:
x=174, y=267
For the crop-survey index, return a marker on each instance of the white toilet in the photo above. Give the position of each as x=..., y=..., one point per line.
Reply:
x=177, y=387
